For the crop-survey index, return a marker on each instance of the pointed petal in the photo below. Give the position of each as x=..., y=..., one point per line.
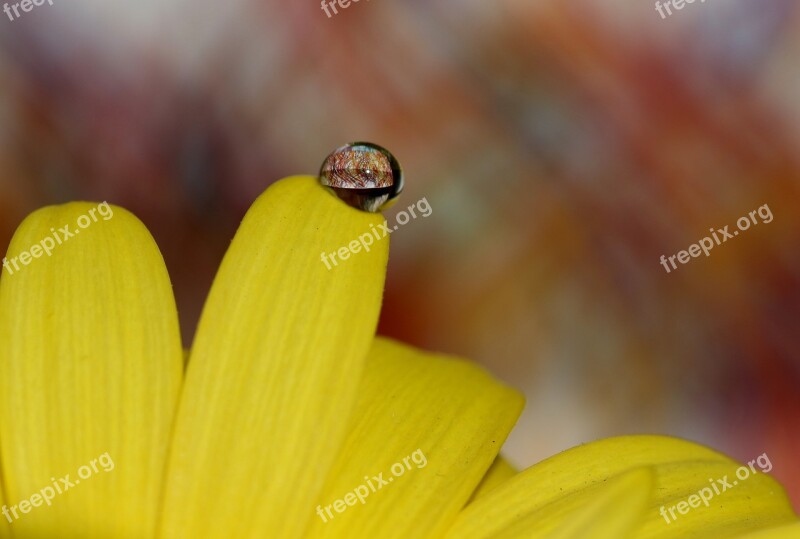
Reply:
x=499, y=472
x=681, y=470
x=432, y=425
x=89, y=375
x=274, y=369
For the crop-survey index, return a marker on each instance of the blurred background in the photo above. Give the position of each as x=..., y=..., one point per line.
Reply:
x=564, y=146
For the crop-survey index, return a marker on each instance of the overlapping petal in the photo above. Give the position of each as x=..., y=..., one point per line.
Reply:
x=436, y=421
x=89, y=376
x=611, y=510
x=274, y=369
x=499, y=472
x=284, y=368
x=539, y=499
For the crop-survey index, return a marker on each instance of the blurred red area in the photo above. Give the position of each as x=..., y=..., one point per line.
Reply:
x=563, y=147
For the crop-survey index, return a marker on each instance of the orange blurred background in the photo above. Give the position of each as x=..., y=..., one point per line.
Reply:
x=563, y=146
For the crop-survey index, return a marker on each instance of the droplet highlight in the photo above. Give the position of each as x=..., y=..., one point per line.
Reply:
x=363, y=175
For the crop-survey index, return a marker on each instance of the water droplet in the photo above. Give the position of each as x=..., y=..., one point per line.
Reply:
x=363, y=175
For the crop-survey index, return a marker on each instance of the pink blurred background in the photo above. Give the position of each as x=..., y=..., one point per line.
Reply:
x=563, y=146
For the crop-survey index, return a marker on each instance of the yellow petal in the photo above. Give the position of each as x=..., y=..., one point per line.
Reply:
x=606, y=510
x=681, y=469
x=499, y=472
x=274, y=369
x=5, y=531
x=431, y=425
x=89, y=376
x=740, y=506
x=610, y=510
x=788, y=531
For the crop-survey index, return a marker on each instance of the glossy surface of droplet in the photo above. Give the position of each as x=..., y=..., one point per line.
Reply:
x=364, y=175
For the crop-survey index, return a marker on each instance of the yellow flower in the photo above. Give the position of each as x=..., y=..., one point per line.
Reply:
x=291, y=418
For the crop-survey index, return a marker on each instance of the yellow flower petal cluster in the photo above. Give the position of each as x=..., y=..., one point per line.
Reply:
x=288, y=402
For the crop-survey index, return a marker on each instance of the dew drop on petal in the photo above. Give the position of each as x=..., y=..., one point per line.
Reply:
x=363, y=175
